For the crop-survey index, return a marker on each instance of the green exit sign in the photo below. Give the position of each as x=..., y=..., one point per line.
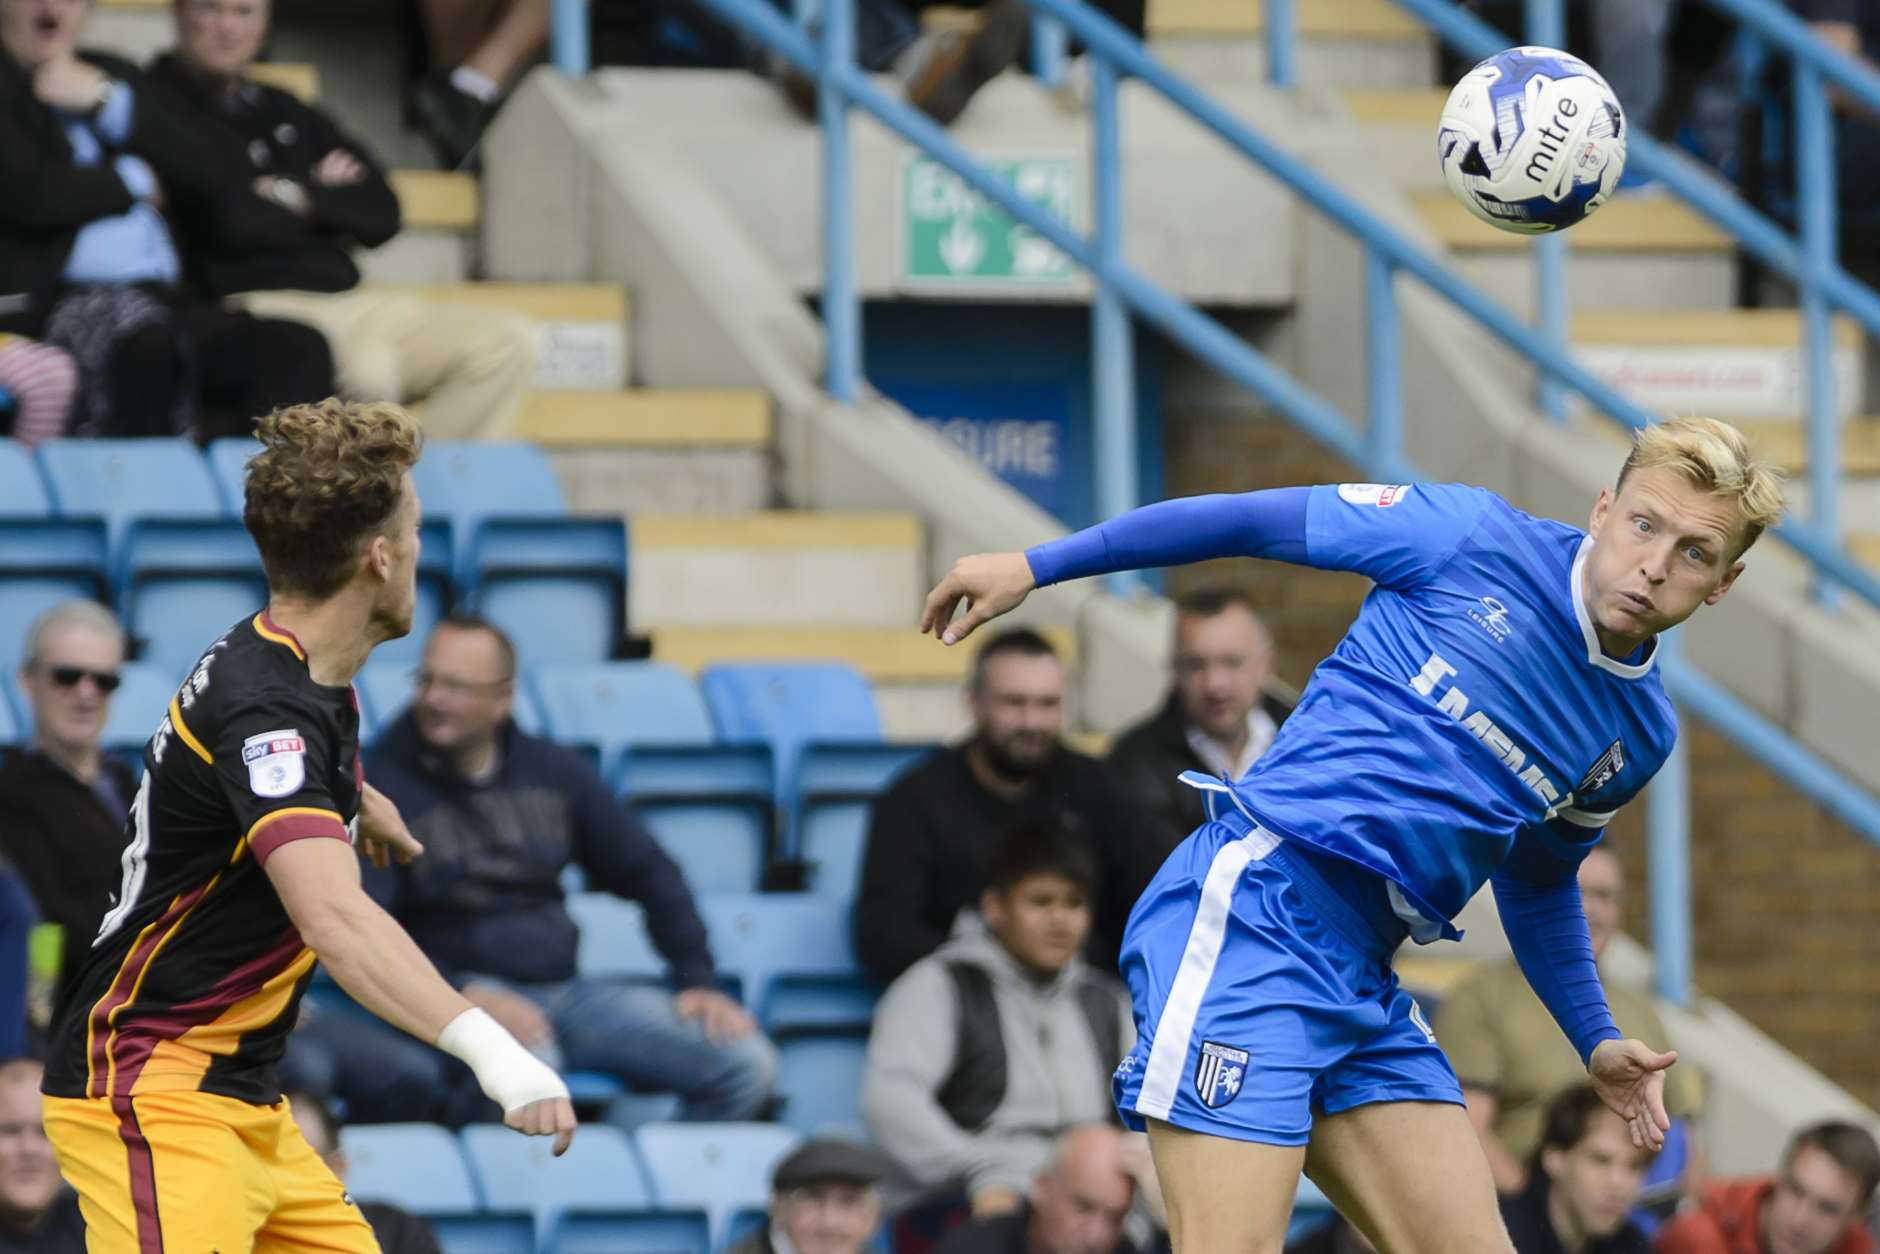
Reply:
x=952, y=237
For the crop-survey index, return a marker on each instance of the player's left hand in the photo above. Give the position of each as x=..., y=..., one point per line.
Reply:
x=1629, y=1077
x=382, y=830
x=722, y=1018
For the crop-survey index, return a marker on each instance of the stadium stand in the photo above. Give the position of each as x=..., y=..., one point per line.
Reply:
x=720, y=1168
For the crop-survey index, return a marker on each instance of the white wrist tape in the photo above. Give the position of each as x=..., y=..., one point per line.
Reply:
x=510, y=1075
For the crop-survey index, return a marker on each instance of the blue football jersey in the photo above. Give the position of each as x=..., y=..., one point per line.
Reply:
x=1469, y=706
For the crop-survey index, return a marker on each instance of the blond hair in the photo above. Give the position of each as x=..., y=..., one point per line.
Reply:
x=329, y=476
x=1716, y=457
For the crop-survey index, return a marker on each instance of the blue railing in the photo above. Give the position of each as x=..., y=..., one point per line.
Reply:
x=1812, y=263
x=1120, y=289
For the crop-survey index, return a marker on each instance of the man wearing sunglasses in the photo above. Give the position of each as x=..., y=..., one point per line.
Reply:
x=63, y=799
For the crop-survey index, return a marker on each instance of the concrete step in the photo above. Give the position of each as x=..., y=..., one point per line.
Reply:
x=783, y=569
x=917, y=680
x=294, y=77
x=438, y=244
x=1337, y=43
x=1401, y=123
x=1725, y=363
x=1867, y=549
x=657, y=451
x=1787, y=443
x=1636, y=253
x=583, y=326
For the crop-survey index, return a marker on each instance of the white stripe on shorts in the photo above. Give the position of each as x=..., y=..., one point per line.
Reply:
x=1161, y=1079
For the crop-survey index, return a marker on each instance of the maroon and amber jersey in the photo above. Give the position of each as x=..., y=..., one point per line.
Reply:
x=195, y=978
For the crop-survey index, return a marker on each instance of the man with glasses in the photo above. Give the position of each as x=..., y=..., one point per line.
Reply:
x=63, y=799
x=502, y=815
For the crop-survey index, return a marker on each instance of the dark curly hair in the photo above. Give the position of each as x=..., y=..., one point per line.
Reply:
x=328, y=478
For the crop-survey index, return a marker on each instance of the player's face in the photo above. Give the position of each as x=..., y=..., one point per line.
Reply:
x=1018, y=711
x=67, y=686
x=37, y=31
x=1078, y=1206
x=1221, y=664
x=29, y=1175
x=398, y=599
x=221, y=36
x=464, y=689
x=1811, y=1206
x=1602, y=892
x=1662, y=547
x=1597, y=1182
x=1042, y=921
x=833, y=1217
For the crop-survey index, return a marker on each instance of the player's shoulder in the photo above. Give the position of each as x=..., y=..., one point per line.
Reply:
x=251, y=672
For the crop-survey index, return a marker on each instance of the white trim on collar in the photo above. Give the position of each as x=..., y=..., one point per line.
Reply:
x=1595, y=654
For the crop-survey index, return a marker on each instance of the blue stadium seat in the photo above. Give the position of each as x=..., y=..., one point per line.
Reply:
x=836, y=787
x=385, y=690
x=614, y=943
x=556, y=585
x=720, y=1168
x=611, y=705
x=22, y=488
x=787, y=706
x=819, y=1077
x=485, y=1234
x=631, y=1232
x=599, y=1172
x=228, y=466
x=759, y=937
x=118, y=480
x=138, y=708
x=13, y=722
x=44, y=561
x=746, y=1221
x=466, y=481
x=416, y=1165
x=708, y=805
x=182, y=582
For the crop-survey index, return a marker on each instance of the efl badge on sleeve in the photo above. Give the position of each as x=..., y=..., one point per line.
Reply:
x=276, y=762
x=1218, y=1073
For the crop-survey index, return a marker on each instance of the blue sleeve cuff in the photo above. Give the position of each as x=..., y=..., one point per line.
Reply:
x=138, y=177
x=113, y=122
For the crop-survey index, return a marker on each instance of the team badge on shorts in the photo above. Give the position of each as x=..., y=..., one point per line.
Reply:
x=1218, y=1073
x=276, y=762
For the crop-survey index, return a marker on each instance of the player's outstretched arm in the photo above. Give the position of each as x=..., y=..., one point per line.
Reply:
x=382, y=968
x=1268, y=524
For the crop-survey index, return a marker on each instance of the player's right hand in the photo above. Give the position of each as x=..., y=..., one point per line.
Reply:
x=1629, y=1077
x=989, y=583
x=553, y=1116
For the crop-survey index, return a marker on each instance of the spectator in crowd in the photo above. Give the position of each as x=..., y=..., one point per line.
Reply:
x=984, y=1051
x=482, y=47
x=63, y=800
x=284, y=197
x=825, y=1198
x=398, y=1231
x=1511, y=1057
x=89, y=164
x=953, y=66
x=1078, y=1204
x=1583, y=1183
x=1814, y=1204
x=933, y=831
x=42, y=382
x=1219, y=718
x=501, y=815
x=1852, y=27
x=38, y=1214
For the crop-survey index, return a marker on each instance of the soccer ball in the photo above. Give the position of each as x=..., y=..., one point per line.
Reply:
x=1532, y=140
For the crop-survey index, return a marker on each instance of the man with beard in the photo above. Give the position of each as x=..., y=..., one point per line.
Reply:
x=934, y=831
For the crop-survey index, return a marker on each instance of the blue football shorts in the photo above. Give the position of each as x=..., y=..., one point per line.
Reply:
x=1261, y=996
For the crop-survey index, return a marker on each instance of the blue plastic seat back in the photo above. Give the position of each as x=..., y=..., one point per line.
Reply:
x=118, y=480
x=787, y=706
x=761, y=936
x=22, y=489
x=138, y=707
x=614, y=942
x=15, y=723
x=819, y=1077
x=612, y=705
x=556, y=585
x=23, y=598
x=177, y=618
x=466, y=482
x=709, y=806
x=415, y=1165
x=485, y=1233
x=515, y=1173
x=632, y=1232
x=720, y=1168
x=228, y=466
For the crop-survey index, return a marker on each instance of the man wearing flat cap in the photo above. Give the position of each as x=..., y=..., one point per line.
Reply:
x=824, y=1199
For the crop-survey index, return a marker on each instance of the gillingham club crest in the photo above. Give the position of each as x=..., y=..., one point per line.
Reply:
x=1218, y=1073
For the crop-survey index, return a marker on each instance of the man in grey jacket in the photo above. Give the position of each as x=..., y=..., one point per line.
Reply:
x=985, y=1051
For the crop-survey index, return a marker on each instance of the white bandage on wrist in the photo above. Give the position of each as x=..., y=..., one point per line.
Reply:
x=510, y=1075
